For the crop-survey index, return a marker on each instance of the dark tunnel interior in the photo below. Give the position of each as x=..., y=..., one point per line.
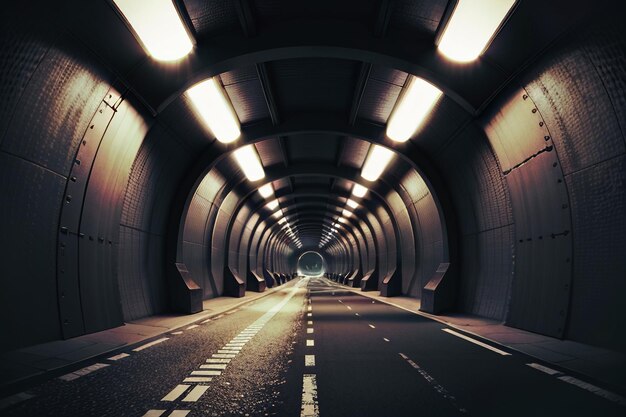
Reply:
x=120, y=203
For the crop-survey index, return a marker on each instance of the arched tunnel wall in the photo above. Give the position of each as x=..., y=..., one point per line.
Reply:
x=537, y=183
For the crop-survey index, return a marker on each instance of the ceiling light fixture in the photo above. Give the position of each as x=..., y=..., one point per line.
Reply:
x=266, y=190
x=351, y=203
x=210, y=102
x=342, y=220
x=278, y=213
x=472, y=26
x=346, y=213
x=158, y=27
x=359, y=191
x=283, y=220
x=249, y=162
x=411, y=111
x=272, y=204
x=376, y=162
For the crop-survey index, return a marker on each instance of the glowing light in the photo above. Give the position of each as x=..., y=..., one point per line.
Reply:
x=346, y=213
x=215, y=110
x=342, y=220
x=283, y=220
x=359, y=191
x=158, y=26
x=266, y=190
x=376, y=162
x=352, y=203
x=472, y=26
x=272, y=204
x=412, y=109
x=249, y=162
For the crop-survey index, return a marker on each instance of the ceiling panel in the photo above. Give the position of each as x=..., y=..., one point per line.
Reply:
x=269, y=152
x=420, y=18
x=212, y=18
x=313, y=147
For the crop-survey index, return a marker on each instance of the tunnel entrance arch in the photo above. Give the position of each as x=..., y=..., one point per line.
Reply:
x=311, y=263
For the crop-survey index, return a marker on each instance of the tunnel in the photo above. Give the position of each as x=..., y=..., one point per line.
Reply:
x=389, y=207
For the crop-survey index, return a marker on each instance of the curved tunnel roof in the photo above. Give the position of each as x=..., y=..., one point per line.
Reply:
x=489, y=202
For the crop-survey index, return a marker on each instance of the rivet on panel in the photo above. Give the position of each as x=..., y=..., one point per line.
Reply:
x=524, y=96
x=541, y=124
x=91, y=238
x=77, y=161
x=559, y=180
x=534, y=110
x=84, y=142
x=564, y=206
x=546, y=137
x=73, y=179
x=91, y=127
x=554, y=164
x=68, y=198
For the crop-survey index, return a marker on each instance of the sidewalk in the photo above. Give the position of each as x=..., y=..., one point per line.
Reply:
x=602, y=365
x=27, y=365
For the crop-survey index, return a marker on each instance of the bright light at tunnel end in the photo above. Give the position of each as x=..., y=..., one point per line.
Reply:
x=248, y=161
x=471, y=27
x=158, y=26
x=210, y=102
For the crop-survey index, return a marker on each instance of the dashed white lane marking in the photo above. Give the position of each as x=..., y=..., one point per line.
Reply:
x=193, y=326
x=356, y=314
x=310, y=308
x=82, y=372
x=227, y=352
x=611, y=396
x=205, y=321
x=196, y=393
x=309, y=360
x=385, y=339
x=217, y=360
x=178, y=332
x=309, y=406
x=309, y=314
x=477, y=342
x=154, y=413
x=542, y=368
x=309, y=331
x=14, y=399
x=176, y=392
x=372, y=326
x=237, y=344
x=434, y=384
x=232, y=348
x=180, y=413
x=220, y=366
x=118, y=357
x=196, y=379
x=223, y=355
x=349, y=308
x=147, y=345
x=206, y=373
x=310, y=342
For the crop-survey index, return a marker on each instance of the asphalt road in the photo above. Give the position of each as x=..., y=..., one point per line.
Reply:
x=317, y=349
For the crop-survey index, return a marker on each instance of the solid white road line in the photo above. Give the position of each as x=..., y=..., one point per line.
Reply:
x=309, y=331
x=221, y=366
x=310, y=342
x=212, y=360
x=372, y=326
x=309, y=360
x=611, y=396
x=147, y=345
x=206, y=373
x=309, y=406
x=196, y=393
x=196, y=379
x=175, y=393
x=153, y=413
x=118, y=357
x=545, y=369
x=477, y=342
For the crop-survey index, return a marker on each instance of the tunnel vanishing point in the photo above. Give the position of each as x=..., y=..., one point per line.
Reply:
x=465, y=157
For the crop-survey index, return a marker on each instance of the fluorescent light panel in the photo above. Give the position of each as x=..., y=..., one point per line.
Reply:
x=342, y=220
x=272, y=204
x=249, y=162
x=267, y=190
x=352, y=203
x=158, y=26
x=278, y=213
x=376, y=162
x=346, y=213
x=359, y=191
x=471, y=27
x=210, y=102
x=411, y=111
x=283, y=220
